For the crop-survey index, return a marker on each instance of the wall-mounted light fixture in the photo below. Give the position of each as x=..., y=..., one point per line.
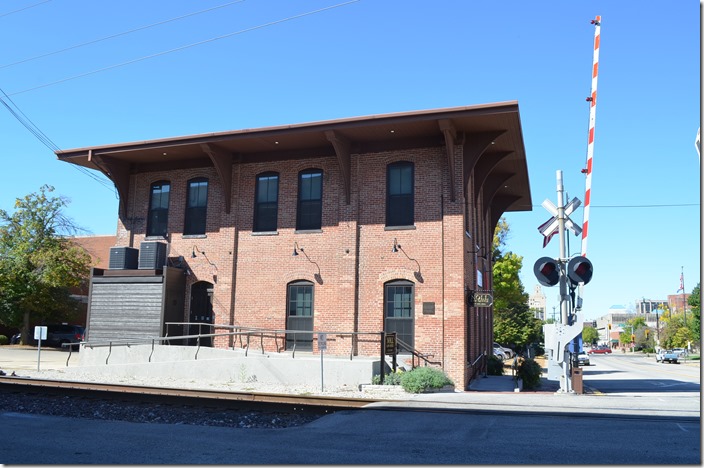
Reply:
x=478, y=251
x=202, y=252
x=398, y=247
x=296, y=248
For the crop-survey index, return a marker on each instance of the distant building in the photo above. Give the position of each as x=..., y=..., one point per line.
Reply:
x=647, y=306
x=537, y=303
x=678, y=302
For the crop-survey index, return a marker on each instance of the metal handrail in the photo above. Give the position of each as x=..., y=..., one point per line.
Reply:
x=476, y=371
x=415, y=353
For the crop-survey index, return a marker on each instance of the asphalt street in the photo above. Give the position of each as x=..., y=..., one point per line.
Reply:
x=630, y=418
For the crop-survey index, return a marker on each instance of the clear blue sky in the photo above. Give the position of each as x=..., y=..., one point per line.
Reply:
x=374, y=57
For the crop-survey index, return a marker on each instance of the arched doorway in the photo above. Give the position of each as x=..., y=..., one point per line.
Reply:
x=299, y=315
x=399, y=300
x=201, y=311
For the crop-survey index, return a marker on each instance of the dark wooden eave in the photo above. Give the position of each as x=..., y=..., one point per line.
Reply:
x=490, y=135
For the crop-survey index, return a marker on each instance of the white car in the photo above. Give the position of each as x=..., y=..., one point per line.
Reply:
x=508, y=352
x=583, y=359
x=499, y=354
x=681, y=352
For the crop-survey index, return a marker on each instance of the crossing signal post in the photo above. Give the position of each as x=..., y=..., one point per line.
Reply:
x=570, y=274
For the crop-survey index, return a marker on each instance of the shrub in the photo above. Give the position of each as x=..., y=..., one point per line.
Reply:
x=3, y=340
x=495, y=366
x=424, y=378
x=392, y=378
x=529, y=371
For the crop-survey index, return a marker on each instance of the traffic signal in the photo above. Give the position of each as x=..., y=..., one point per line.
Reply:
x=609, y=326
x=547, y=271
x=633, y=338
x=647, y=332
x=579, y=269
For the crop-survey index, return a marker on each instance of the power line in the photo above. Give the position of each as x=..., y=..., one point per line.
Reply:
x=22, y=9
x=177, y=49
x=42, y=137
x=141, y=28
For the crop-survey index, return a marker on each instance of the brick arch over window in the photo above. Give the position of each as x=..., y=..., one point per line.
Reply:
x=400, y=273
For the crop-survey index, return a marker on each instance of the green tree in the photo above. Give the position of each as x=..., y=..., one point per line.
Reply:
x=590, y=335
x=514, y=322
x=695, y=323
x=673, y=333
x=38, y=264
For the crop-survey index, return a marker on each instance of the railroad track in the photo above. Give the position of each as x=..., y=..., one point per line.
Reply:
x=188, y=397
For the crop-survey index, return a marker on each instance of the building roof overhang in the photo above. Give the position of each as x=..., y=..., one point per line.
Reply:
x=491, y=136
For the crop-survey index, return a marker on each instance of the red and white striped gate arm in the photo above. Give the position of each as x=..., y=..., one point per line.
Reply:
x=590, y=147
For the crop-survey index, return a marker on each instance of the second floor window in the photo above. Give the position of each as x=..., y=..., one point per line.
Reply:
x=399, y=194
x=196, y=206
x=266, y=202
x=158, y=216
x=310, y=199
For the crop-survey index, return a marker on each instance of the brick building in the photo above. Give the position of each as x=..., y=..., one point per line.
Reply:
x=369, y=224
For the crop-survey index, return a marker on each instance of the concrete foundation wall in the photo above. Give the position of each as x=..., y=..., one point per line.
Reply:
x=222, y=365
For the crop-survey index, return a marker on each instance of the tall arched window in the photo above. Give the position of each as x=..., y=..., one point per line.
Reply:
x=299, y=315
x=399, y=307
x=399, y=194
x=310, y=199
x=158, y=216
x=196, y=206
x=266, y=202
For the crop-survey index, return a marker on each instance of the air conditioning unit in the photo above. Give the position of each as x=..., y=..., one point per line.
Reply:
x=152, y=255
x=123, y=258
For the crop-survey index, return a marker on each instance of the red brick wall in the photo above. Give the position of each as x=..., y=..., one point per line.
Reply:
x=353, y=252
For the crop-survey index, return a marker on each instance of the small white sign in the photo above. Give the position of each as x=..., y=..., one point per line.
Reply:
x=322, y=341
x=40, y=333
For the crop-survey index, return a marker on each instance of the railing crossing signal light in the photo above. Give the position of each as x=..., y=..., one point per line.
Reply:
x=547, y=271
x=580, y=270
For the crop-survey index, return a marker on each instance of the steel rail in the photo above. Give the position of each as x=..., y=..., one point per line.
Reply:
x=311, y=401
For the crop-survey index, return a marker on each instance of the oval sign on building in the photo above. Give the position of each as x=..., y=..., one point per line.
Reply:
x=483, y=299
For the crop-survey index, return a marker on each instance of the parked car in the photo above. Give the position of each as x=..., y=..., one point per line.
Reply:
x=57, y=335
x=508, y=352
x=499, y=354
x=681, y=352
x=667, y=356
x=600, y=350
x=583, y=359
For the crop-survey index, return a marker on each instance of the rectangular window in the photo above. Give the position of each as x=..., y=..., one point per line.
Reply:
x=310, y=200
x=158, y=216
x=266, y=202
x=196, y=207
x=399, y=194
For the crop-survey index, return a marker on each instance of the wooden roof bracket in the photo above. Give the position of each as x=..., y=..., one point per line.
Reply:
x=492, y=186
x=486, y=165
x=450, y=133
x=118, y=172
x=499, y=207
x=222, y=160
x=342, y=151
x=473, y=147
